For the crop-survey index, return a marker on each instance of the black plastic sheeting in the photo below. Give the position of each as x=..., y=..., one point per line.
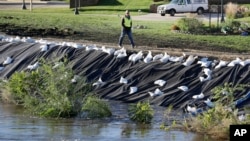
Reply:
x=96, y=64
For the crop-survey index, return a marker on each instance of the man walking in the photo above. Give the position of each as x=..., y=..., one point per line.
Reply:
x=126, y=29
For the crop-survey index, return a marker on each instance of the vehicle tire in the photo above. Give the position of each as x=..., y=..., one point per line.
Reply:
x=200, y=11
x=172, y=12
x=162, y=14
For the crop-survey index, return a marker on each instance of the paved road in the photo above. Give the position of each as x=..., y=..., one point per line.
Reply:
x=158, y=17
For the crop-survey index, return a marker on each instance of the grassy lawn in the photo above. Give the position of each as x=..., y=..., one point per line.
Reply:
x=105, y=27
x=121, y=5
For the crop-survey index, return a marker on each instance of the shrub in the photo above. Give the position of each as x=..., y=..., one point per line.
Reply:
x=48, y=91
x=5, y=95
x=225, y=94
x=231, y=26
x=244, y=26
x=246, y=13
x=190, y=25
x=141, y=112
x=94, y=107
x=216, y=121
x=243, y=11
x=16, y=87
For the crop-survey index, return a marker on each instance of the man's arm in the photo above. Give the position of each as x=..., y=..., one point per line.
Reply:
x=123, y=21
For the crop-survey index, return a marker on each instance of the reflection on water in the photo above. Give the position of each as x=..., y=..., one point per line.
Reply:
x=16, y=125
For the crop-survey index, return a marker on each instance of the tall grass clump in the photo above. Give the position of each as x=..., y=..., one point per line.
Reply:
x=231, y=10
x=94, y=107
x=216, y=121
x=47, y=91
x=5, y=95
x=192, y=25
x=141, y=112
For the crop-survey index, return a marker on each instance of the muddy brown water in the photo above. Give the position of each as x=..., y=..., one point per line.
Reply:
x=18, y=125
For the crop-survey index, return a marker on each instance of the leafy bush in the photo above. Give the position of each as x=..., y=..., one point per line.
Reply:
x=244, y=26
x=225, y=94
x=190, y=25
x=216, y=121
x=48, y=91
x=243, y=11
x=141, y=112
x=246, y=14
x=94, y=107
x=231, y=27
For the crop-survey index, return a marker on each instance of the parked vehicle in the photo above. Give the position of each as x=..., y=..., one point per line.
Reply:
x=183, y=6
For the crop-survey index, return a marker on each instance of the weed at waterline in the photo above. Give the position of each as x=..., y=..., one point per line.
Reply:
x=141, y=112
x=216, y=121
x=94, y=107
x=169, y=123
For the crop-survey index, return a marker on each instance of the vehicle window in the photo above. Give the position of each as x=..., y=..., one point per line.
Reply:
x=188, y=1
x=199, y=1
x=182, y=2
x=174, y=1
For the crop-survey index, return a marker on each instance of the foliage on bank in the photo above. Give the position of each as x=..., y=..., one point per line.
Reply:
x=213, y=121
x=216, y=121
x=141, y=112
x=49, y=91
x=94, y=107
x=231, y=26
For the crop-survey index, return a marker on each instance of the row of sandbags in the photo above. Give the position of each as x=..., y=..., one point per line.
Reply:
x=94, y=64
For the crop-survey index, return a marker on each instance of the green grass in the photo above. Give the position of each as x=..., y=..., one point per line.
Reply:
x=99, y=22
x=121, y=5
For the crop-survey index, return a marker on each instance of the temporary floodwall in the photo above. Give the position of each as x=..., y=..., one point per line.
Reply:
x=196, y=74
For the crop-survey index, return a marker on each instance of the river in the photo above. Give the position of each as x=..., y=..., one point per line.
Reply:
x=18, y=125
